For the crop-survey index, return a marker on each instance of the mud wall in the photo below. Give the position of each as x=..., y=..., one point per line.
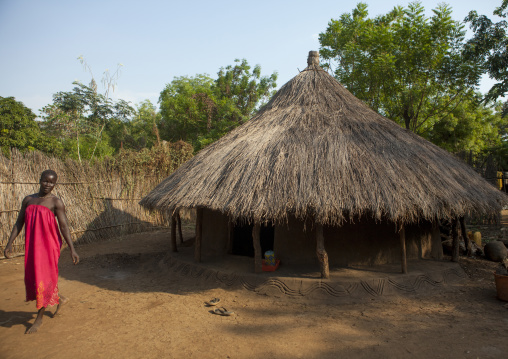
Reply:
x=364, y=242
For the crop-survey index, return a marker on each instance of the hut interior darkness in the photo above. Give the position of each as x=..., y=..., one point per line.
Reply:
x=319, y=177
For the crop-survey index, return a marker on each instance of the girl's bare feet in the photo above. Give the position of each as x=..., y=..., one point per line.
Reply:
x=61, y=301
x=38, y=322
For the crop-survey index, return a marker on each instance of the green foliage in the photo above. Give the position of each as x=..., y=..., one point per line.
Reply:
x=200, y=109
x=137, y=129
x=245, y=91
x=87, y=121
x=401, y=64
x=18, y=129
x=470, y=127
x=187, y=107
x=89, y=148
x=489, y=48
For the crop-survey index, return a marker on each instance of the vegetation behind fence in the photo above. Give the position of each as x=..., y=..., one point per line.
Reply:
x=101, y=199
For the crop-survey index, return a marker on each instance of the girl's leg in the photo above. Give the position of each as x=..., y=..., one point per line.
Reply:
x=38, y=322
x=62, y=300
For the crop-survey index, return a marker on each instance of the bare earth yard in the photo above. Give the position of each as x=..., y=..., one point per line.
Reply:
x=124, y=304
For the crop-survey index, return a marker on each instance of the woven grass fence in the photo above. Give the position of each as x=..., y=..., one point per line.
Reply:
x=101, y=200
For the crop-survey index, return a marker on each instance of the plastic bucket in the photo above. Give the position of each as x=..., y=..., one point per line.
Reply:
x=502, y=286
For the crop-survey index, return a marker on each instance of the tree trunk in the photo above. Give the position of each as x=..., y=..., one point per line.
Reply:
x=199, y=230
x=403, y=254
x=455, y=241
x=173, y=234
x=464, y=235
x=256, y=241
x=321, y=252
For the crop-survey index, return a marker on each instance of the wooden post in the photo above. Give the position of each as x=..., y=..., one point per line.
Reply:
x=464, y=235
x=437, y=247
x=403, y=254
x=321, y=252
x=455, y=241
x=179, y=221
x=172, y=245
x=229, y=245
x=199, y=230
x=256, y=241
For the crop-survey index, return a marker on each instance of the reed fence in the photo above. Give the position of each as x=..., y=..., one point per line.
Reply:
x=101, y=200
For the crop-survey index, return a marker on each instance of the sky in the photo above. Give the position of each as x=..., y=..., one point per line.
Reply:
x=155, y=41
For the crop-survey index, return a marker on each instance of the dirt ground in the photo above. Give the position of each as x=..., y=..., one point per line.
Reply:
x=124, y=304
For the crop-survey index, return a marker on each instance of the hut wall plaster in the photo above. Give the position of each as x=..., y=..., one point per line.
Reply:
x=365, y=242
x=293, y=245
x=362, y=243
x=215, y=233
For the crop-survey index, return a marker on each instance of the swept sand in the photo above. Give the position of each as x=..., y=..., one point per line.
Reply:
x=124, y=304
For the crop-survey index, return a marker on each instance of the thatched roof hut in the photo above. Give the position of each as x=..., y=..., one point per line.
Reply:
x=316, y=152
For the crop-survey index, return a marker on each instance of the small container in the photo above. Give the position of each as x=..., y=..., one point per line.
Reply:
x=267, y=268
x=270, y=258
x=501, y=286
x=477, y=237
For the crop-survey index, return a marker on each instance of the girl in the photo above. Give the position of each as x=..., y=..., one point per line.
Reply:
x=42, y=245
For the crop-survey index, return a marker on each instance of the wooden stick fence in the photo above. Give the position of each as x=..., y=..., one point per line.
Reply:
x=96, y=210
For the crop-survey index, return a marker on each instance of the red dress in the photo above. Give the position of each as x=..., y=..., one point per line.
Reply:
x=42, y=251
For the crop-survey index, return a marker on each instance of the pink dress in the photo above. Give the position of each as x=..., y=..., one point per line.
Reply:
x=42, y=251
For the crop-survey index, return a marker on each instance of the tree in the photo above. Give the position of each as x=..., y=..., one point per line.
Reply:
x=471, y=128
x=244, y=90
x=137, y=131
x=404, y=65
x=18, y=129
x=81, y=116
x=489, y=48
x=200, y=109
x=187, y=107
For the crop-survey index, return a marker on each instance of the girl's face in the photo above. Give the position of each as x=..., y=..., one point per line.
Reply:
x=47, y=183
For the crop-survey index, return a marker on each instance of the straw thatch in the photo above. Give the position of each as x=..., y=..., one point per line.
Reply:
x=317, y=151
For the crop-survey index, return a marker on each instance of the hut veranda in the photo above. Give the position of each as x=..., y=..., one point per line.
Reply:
x=319, y=177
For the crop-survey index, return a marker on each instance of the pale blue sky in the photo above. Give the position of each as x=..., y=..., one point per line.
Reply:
x=158, y=40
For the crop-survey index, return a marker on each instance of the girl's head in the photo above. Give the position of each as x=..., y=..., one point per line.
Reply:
x=49, y=173
x=47, y=181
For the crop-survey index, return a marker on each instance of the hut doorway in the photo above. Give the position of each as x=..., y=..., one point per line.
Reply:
x=242, y=239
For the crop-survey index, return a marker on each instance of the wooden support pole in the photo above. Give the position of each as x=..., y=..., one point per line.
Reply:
x=229, y=245
x=321, y=252
x=437, y=247
x=199, y=234
x=464, y=235
x=455, y=241
x=256, y=241
x=179, y=222
x=172, y=245
x=403, y=254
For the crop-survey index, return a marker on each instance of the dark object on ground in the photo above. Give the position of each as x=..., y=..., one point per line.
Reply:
x=505, y=242
x=495, y=251
x=503, y=268
x=222, y=311
x=475, y=250
x=448, y=245
x=212, y=302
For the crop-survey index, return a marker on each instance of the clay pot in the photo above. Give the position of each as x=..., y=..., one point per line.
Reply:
x=495, y=251
x=501, y=286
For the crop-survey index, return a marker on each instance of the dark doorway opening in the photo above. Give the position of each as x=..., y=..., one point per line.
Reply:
x=242, y=239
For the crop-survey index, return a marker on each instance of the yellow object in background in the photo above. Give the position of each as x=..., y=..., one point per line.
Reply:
x=477, y=237
x=499, y=180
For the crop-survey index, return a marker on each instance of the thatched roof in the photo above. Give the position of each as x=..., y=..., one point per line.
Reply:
x=316, y=150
